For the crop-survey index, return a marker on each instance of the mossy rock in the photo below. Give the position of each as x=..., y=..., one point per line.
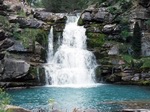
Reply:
x=80, y=22
x=98, y=74
x=144, y=82
x=113, y=78
x=95, y=28
x=95, y=40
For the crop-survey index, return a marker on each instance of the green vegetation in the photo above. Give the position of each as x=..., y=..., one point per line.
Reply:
x=136, y=41
x=95, y=39
x=4, y=100
x=29, y=36
x=35, y=3
x=21, y=13
x=68, y=5
x=4, y=23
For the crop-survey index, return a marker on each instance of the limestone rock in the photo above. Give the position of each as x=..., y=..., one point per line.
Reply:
x=135, y=110
x=5, y=44
x=126, y=77
x=50, y=17
x=17, y=47
x=144, y=3
x=146, y=44
x=136, y=77
x=86, y=16
x=2, y=34
x=114, y=50
x=15, y=69
x=111, y=29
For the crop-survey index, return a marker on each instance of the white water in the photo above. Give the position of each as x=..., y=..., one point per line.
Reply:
x=71, y=65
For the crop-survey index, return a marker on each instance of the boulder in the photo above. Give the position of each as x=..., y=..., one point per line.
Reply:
x=135, y=110
x=17, y=47
x=6, y=44
x=13, y=18
x=26, y=22
x=86, y=16
x=136, y=77
x=50, y=17
x=97, y=15
x=15, y=69
x=145, y=75
x=102, y=16
x=140, y=13
x=10, y=108
x=30, y=23
x=114, y=50
x=111, y=29
x=2, y=35
x=126, y=77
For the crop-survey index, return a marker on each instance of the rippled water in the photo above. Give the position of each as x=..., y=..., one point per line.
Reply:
x=98, y=97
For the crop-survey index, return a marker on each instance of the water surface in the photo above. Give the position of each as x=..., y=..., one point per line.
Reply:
x=68, y=98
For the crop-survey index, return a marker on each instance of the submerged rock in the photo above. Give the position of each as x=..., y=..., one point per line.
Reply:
x=135, y=110
x=10, y=108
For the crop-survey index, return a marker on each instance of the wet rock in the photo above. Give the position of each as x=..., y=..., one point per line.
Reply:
x=136, y=77
x=113, y=78
x=86, y=110
x=126, y=77
x=145, y=75
x=135, y=110
x=37, y=73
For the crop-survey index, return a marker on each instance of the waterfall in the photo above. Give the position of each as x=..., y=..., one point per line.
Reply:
x=72, y=64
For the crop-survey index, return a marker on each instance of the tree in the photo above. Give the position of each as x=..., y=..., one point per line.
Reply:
x=136, y=41
x=67, y=5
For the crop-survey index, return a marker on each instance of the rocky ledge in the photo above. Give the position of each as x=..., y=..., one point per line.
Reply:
x=23, y=43
x=109, y=35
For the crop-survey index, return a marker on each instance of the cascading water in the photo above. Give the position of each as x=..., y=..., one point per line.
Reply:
x=71, y=64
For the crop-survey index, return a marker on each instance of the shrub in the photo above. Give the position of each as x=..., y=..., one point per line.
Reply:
x=29, y=35
x=68, y=5
x=4, y=100
x=5, y=23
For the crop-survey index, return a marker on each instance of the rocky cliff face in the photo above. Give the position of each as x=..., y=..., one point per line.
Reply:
x=23, y=43
x=109, y=31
